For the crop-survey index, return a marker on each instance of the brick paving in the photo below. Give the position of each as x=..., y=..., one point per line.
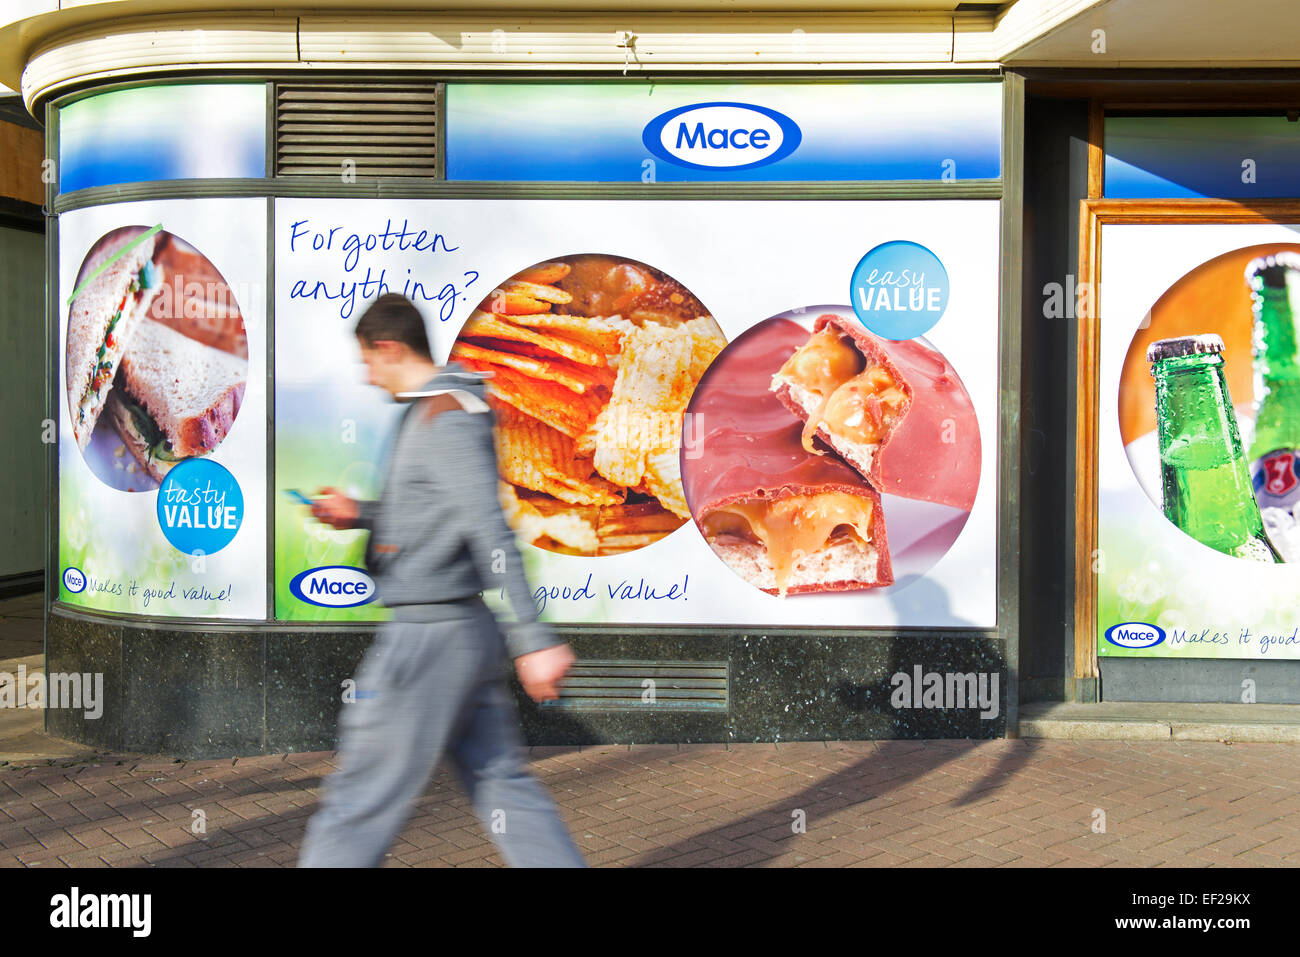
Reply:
x=1010, y=803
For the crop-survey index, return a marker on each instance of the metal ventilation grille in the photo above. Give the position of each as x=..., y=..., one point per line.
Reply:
x=626, y=686
x=384, y=129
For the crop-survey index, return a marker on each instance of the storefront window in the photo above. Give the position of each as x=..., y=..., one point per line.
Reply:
x=186, y=131
x=1190, y=157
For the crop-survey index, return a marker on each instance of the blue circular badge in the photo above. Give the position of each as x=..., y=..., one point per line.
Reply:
x=200, y=506
x=74, y=579
x=899, y=290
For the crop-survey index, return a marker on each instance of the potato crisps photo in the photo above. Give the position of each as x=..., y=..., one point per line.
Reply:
x=593, y=359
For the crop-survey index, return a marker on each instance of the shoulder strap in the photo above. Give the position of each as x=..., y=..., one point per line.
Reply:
x=462, y=398
x=434, y=406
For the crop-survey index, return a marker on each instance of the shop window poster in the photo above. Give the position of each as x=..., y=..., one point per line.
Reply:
x=1199, y=496
x=706, y=413
x=162, y=408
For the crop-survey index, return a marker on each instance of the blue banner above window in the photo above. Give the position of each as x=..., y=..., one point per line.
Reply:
x=1196, y=157
x=940, y=131
x=178, y=131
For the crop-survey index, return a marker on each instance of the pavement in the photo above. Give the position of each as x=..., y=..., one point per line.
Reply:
x=1063, y=800
x=1039, y=803
x=22, y=644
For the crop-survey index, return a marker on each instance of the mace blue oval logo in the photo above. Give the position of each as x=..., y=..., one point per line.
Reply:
x=333, y=586
x=74, y=579
x=1135, y=634
x=722, y=136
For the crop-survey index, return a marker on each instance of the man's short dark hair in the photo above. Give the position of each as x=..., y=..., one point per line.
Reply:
x=393, y=316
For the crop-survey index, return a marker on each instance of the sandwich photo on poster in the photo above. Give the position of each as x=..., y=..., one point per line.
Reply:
x=162, y=411
x=157, y=357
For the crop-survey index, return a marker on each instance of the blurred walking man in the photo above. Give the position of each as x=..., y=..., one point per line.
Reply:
x=433, y=681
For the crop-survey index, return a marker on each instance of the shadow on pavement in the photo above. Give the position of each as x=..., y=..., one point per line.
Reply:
x=893, y=765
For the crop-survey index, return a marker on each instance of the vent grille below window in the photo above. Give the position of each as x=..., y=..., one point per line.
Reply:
x=644, y=686
x=382, y=130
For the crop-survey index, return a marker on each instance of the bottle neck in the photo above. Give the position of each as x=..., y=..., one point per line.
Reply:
x=1274, y=340
x=1205, y=483
x=1192, y=404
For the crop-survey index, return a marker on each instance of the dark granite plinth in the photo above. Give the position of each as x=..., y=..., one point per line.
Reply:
x=232, y=691
x=73, y=645
x=832, y=687
x=304, y=687
x=1200, y=679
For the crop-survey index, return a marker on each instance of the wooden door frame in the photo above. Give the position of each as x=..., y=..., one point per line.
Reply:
x=1093, y=215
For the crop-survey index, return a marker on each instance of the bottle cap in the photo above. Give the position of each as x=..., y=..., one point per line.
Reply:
x=1203, y=345
x=1270, y=271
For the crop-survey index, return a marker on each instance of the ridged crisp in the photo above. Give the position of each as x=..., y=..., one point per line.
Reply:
x=598, y=332
x=538, y=457
x=657, y=373
x=538, y=290
x=663, y=480
x=572, y=527
x=626, y=527
x=579, y=378
x=487, y=325
x=562, y=409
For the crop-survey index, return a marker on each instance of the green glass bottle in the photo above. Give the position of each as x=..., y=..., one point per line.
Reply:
x=1204, y=480
x=1275, y=293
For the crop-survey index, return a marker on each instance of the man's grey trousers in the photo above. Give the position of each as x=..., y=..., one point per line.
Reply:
x=425, y=689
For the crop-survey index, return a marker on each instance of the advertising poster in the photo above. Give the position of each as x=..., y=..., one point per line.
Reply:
x=714, y=413
x=162, y=408
x=1199, y=428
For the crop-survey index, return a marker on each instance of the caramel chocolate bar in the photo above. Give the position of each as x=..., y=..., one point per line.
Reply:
x=895, y=411
x=785, y=519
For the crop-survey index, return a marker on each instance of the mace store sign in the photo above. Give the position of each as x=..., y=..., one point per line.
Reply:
x=722, y=136
x=682, y=132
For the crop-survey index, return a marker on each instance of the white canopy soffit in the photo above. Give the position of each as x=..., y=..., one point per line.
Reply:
x=1171, y=33
x=50, y=45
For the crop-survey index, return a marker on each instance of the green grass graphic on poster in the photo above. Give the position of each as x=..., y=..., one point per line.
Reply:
x=310, y=460
x=307, y=461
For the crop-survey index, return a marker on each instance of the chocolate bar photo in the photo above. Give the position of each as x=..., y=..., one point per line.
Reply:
x=895, y=411
x=786, y=519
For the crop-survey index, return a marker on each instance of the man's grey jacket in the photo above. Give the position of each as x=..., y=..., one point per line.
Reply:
x=437, y=533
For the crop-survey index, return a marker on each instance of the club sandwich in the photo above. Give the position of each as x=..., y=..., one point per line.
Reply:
x=177, y=398
x=102, y=322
